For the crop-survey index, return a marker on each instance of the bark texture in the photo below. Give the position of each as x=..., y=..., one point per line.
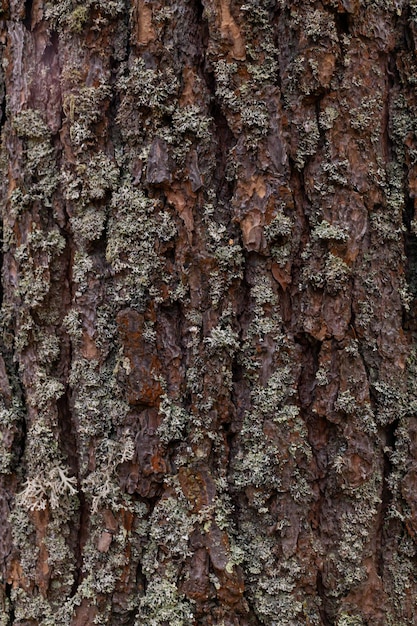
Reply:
x=209, y=372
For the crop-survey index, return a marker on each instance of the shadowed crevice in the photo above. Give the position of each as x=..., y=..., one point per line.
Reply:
x=386, y=496
x=27, y=21
x=343, y=23
x=409, y=322
x=321, y=592
x=8, y=593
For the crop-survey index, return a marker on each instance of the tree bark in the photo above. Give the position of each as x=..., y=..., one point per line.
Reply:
x=208, y=375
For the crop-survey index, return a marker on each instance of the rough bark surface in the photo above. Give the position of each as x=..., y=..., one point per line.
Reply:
x=209, y=299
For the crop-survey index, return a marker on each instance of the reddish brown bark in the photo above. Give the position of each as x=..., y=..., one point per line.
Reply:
x=209, y=300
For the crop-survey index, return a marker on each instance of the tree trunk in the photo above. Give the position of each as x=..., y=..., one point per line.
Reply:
x=209, y=370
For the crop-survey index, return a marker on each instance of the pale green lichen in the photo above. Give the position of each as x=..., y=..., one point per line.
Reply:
x=134, y=230
x=309, y=135
x=47, y=389
x=349, y=620
x=101, y=486
x=390, y=401
x=191, y=120
x=356, y=526
x=149, y=88
x=88, y=225
x=65, y=16
x=163, y=604
x=225, y=88
x=329, y=232
x=77, y=19
x=336, y=273
x=49, y=488
x=222, y=339
x=327, y=117
x=73, y=324
x=39, y=158
x=360, y=412
x=98, y=404
x=175, y=420
x=29, y=123
x=280, y=227
x=11, y=415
